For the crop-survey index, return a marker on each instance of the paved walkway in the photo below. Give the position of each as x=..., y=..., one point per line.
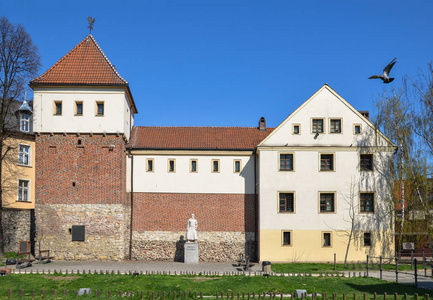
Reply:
x=215, y=268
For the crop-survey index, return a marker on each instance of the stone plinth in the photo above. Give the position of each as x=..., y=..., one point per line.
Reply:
x=191, y=253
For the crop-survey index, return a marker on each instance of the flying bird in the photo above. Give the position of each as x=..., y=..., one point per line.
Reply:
x=386, y=71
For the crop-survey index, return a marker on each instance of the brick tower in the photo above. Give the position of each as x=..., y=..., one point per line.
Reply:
x=83, y=116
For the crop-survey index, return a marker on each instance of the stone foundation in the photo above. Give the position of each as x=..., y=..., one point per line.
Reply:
x=16, y=227
x=213, y=246
x=106, y=230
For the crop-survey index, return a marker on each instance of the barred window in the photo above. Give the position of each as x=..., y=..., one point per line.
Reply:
x=366, y=202
x=327, y=203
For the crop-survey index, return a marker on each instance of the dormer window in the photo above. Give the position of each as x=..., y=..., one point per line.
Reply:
x=25, y=123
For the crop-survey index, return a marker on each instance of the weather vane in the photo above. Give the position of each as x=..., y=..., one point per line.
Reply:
x=91, y=21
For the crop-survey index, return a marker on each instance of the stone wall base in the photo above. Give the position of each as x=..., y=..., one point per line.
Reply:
x=213, y=246
x=105, y=230
x=16, y=227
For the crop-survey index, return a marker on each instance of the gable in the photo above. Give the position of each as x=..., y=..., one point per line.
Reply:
x=326, y=105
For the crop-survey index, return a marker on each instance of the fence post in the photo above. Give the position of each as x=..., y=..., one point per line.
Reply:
x=380, y=267
x=367, y=265
x=396, y=269
x=335, y=261
x=416, y=272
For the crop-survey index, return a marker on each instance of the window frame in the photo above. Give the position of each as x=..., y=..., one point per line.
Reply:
x=147, y=165
x=196, y=165
x=354, y=129
x=361, y=169
x=293, y=128
x=97, y=103
x=333, y=162
x=24, y=122
x=312, y=125
x=20, y=190
x=234, y=166
x=213, y=164
x=279, y=161
x=174, y=165
x=361, y=205
x=330, y=125
x=334, y=203
x=290, y=232
x=293, y=202
x=331, y=242
x=29, y=155
x=57, y=104
x=76, y=108
x=367, y=239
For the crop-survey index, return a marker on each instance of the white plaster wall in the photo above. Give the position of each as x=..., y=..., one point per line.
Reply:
x=306, y=181
x=113, y=121
x=182, y=181
x=325, y=105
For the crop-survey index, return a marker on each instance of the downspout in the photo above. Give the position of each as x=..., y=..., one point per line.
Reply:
x=132, y=203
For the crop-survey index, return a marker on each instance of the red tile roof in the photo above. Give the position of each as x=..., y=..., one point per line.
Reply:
x=86, y=64
x=205, y=138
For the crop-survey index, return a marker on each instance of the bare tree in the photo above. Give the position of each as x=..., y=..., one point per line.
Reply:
x=19, y=62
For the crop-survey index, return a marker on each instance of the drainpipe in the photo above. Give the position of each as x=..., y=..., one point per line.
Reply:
x=256, y=208
x=132, y=203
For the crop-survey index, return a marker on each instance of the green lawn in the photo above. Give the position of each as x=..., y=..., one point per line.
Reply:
x=316, y=267
x=208, y=285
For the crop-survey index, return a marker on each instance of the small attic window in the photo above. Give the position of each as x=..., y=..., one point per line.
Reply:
x=357, y=129
x=296, y=129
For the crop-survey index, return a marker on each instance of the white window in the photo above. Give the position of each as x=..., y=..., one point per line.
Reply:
x=24, y=155
x=25, y=123
x=23, y=190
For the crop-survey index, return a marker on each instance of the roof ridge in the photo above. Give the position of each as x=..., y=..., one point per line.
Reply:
x=106, y=58
x=247, y=127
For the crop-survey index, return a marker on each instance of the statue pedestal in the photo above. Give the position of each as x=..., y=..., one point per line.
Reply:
x=191, y=253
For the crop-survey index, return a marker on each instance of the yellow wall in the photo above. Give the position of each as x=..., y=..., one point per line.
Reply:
x=12, y=171
x=307, y=246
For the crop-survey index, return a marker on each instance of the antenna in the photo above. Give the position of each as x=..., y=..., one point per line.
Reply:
x=90, y=20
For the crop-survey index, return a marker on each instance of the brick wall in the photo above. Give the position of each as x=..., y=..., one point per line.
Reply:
x=214, y=212
x=88, y=173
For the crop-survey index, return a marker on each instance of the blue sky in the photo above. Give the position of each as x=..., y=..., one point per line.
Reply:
x=227, y=63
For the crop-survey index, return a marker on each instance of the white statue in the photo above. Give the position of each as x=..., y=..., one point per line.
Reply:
x=191, y=229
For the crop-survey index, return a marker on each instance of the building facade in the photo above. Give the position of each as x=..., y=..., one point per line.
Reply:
x=109, y=190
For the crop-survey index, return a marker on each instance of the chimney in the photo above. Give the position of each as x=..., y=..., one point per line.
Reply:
x=262, y=124
x=365, y=114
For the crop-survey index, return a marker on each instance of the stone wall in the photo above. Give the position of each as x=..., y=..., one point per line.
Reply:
x=16, y=226
x=213, y=246
x=105, y=234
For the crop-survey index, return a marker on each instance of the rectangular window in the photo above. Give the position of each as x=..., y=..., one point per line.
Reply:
x=366, y=202
x=237, y=166
x=326, y=162
x=366, y=162
x=23, y=190
x=287, y=238
x=327, y=202
x=335, y=126
x=171, y=165
x=367, y=239
x=286, y=202
x=357, y=129
x=326, y=239
x=286, y=162
x=317, y=126
x=78, y=108
x=296, y=129
x=215, y=165
x=24, y=155
x=99, y=108
x=58, y=108
x=25, y=123
x=193, y=166
x=149, y=165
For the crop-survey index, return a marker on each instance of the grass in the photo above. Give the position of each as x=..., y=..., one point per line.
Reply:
x=208, y=285
x=317, y=267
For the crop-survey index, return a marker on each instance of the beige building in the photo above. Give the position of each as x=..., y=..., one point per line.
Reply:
x=322, y=172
